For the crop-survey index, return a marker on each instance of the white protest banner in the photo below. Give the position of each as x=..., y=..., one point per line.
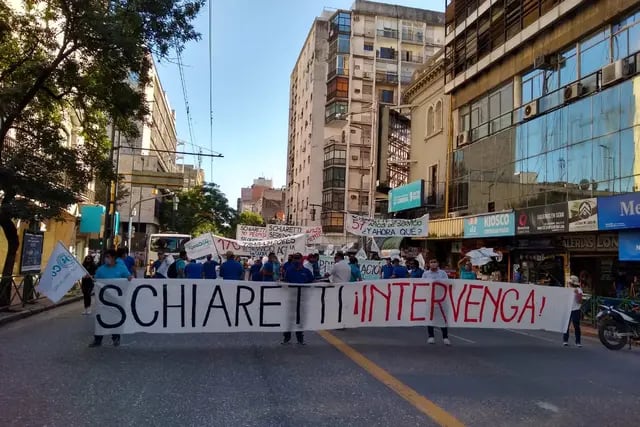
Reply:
x=251, y=232
x=200, y=246
x=373, y=227
x=188, y=306
x=369, y=269
x=276, y=231
x=60, y=274
x=281, y=247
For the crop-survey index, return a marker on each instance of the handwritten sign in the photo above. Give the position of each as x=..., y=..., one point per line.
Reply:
x=251, y=232
x=259, y=248
x=276, y=231
x=369, y=269
x=188, y=306
x=364, y=226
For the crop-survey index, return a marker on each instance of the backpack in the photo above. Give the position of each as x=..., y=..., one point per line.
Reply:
x=172, y=272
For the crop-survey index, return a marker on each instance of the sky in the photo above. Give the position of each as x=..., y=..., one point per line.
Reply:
x=255, y=44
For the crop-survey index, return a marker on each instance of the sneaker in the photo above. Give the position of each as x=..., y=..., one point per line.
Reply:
x=88, y=311
x=578, y=345
x=446, y=341
x=565, y=344
x=431, y=340
x=116, y=342
x=285, y=342
x=95, y=344
x=84, y=312
x=302, y=343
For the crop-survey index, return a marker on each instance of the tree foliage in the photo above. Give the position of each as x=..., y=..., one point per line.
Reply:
x=250, y=218
x=200, y=210
x=73, y=65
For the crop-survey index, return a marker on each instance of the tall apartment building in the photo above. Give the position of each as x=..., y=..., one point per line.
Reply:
x=352, y=61
x=153, y=151
x=546, y=132
x=250, y=196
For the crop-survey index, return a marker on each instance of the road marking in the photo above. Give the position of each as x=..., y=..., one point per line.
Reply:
x=533, y=336
x=548, y=406
x=424, y=405
x=463, y=339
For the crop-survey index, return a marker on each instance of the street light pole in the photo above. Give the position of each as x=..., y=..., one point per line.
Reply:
x=137, y=204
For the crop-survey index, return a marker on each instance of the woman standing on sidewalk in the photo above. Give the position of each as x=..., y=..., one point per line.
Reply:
x=574, y=281
x=87, y=282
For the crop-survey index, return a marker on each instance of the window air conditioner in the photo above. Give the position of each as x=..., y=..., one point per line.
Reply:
x=530, y=110
x=573, y=91
x=463, y=138
x=354, y=157
x=617, y=71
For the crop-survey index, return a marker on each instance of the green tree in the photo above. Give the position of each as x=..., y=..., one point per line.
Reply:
x=79, y=64
x=200, y=210
x=250, y=218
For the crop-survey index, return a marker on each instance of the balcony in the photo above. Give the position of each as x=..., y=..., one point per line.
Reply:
x=387, y=77
x=414, y=59
x=387, y=33
x=409, y=37
x=387, y=54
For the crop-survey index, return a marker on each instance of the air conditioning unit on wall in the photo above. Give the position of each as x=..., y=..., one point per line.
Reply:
x=463, y=138
x=617, y=71
x=573, y=91
x=530, y=110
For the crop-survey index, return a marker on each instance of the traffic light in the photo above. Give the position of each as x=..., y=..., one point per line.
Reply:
x=313, y=214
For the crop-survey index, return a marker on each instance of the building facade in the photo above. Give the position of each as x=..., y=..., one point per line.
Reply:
x=250, y=196
x=545, y=132
x=372, y=51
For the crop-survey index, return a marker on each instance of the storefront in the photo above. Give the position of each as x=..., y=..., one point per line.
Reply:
x=444, y=241
x=494, y=231
x=594, y=258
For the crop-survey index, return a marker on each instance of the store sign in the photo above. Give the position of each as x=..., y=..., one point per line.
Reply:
x=406, y=197
x=31, y=255
x=617, y=212
x=583, y=215
x=542, y=219
x=591, y=243
x=494, y=225
x=629, y=249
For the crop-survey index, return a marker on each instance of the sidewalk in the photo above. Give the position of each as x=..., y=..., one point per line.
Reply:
x=17, y=312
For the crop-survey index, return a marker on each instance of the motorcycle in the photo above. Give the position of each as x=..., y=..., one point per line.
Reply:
x=617, y=328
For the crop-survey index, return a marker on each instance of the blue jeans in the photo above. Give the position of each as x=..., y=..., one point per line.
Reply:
x=575, y=319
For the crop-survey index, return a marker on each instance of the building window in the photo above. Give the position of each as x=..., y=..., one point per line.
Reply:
x=342, y=22
x=367, y=89
x=488, y=114
x=387, y=53
x=430, y=121
x=368, y=47
x=338, y=88
x=343, y=43
x=438, y=116
x=333, y=200
x=333, y=177
x=332, y=222
x=335, y=110
x=386, y=96
x=334, y=157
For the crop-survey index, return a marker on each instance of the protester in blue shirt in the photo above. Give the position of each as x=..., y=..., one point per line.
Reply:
x=285, y=267
x=128, y=260
x=209, y=268
x=387, y=270
x=111, y=269
x=231, y=269
x=193, y=270
x=416, y=272
x=181, y=264
x=399, y=271
x=271, y=269
x=356, y=274
x=255, y=273
x=296, y=273
x=466, y=269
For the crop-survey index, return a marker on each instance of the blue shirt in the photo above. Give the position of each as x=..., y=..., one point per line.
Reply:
x=467, y=274
x=255, y=273
x=387, y=271
x=416, y=273
x=130, y=263
x=210, y=269
x=400, y=272
x=355, y=273
x=296, y=273
x=193, y=270
x=231, y=270
x=118, y=271
x=270, y=267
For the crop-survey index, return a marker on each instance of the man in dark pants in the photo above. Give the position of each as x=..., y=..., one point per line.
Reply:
x=111, y=269
x=434, y=274
x=296, y=273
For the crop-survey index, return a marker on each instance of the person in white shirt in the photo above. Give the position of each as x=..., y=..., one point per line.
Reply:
x=341, y=271
x=434, y=273
x=574, y=281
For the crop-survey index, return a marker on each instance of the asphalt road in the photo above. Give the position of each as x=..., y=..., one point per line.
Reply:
x=487, y=378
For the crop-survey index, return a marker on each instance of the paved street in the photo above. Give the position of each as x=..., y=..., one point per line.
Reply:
x=487, y=378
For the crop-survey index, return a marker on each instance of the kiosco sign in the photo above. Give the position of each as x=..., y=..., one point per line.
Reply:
x=493, y=225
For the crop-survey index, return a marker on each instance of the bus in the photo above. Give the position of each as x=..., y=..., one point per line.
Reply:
x=170, y=243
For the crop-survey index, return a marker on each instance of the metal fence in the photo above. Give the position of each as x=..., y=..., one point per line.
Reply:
x=18, y=290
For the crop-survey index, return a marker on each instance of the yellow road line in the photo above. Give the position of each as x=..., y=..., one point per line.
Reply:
x=424, y=405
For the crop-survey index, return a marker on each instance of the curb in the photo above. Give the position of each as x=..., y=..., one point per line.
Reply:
x=27, y=312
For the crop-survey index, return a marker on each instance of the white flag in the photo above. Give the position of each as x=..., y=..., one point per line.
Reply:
x=374, y=246
x=60, y=274
x=200, y=247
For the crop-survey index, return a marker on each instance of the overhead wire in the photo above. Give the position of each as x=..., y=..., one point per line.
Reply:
x=211, y=85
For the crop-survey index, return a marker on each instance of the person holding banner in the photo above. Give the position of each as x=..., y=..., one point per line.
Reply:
x=434, y=274
x=296, y=273
x=399, y=271
x=111, y=269
x=387, y=270
x=231, y=269
x=271, y=269
x=415, y=272
x=87, y=282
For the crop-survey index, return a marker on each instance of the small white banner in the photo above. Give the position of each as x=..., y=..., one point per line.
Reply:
x=251, y=233
x=62, y=271
x=200, y=246
x=369, y=269
x=188, y=306
x=276, y=231
x=372, y=227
